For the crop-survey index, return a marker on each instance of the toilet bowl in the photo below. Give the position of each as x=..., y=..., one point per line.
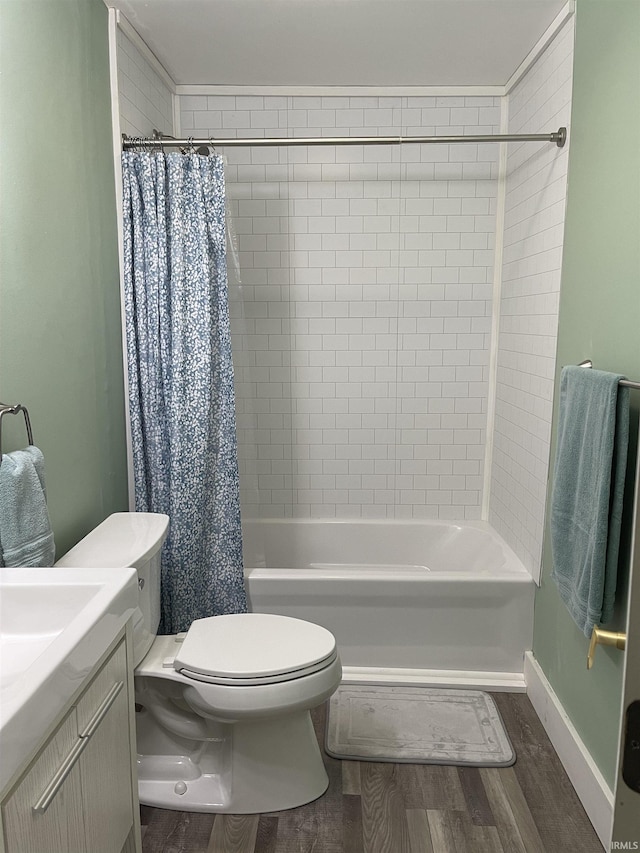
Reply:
x=223, y=721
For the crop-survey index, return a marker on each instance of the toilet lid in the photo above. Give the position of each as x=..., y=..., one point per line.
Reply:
x=253, y=648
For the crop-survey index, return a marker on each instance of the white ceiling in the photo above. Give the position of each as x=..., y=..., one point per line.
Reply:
x=340, y=42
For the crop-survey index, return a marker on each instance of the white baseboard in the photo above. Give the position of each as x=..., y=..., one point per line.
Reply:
x=588, y=781
x=508, y=682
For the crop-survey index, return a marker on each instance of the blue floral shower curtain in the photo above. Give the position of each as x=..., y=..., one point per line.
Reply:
x=181, y=396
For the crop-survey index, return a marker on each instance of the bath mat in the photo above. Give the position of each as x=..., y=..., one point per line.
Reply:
x=417, y=725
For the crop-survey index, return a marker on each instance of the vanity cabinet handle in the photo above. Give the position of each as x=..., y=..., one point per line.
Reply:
x=50, y=792
x=101, y=713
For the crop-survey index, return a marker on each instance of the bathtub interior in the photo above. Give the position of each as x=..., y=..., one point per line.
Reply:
x=395, y=546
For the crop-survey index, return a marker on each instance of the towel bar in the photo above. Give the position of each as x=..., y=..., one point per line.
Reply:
x=6, y=409
x=628, y=383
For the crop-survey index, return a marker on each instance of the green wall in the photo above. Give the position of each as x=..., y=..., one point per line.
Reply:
x=60, y=343
x=599, y=319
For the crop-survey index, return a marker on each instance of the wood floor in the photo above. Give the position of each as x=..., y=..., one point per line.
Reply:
x=407, y=808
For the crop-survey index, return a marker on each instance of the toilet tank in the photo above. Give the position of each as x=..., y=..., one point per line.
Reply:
x=128, y=540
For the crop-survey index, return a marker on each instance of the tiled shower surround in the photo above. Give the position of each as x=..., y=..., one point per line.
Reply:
x=362, y=297
x=144, y=99
x=362, y=318
x=536, y=188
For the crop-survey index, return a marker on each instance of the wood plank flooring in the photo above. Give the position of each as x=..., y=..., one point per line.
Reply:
x=407, y=808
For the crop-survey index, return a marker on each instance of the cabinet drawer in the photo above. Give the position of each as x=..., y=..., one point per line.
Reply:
x=60, y=828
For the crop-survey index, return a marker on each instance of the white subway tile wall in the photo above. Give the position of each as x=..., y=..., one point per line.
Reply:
x=362, y=323
x=145, y=100
x=533, y=239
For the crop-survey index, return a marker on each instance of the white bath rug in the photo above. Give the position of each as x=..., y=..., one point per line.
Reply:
x=417, y=725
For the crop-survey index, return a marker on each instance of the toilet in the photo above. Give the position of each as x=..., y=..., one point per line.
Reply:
x=223, y=722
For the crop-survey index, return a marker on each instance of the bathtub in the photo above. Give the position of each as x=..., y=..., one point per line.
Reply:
x=408, y=601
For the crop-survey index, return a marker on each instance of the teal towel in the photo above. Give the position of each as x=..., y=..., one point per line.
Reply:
x=588, y=488
x=25, y=531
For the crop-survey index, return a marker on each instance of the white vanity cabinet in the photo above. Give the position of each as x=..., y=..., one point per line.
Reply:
x=79, y=793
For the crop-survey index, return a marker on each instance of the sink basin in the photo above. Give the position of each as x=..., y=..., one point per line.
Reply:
x=31, y=617
x=55, y=625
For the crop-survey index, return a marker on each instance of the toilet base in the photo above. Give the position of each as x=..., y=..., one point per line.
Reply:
x=245, y=768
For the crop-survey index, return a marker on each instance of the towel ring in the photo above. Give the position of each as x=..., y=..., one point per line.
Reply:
x=15, y=410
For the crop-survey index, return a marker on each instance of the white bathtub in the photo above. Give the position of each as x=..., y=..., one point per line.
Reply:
x=408, y=601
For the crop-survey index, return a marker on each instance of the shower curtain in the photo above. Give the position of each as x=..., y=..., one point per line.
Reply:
x=180, y=371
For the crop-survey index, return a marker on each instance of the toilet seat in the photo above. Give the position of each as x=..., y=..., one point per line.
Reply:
x=253, y=648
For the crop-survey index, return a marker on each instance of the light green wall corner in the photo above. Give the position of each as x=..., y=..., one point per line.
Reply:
x=60, y=344
x=599, y=319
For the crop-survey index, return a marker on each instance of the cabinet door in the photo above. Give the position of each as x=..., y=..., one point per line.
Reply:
x=58, y=825
x=105, y=765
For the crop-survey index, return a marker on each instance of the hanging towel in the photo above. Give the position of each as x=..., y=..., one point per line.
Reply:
x=26, y=538
x=588, y=487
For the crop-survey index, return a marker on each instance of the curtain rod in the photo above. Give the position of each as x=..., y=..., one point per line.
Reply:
x=559, y=137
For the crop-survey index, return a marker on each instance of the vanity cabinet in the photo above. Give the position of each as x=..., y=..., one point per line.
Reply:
x=78, y=795
x=61, y=827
